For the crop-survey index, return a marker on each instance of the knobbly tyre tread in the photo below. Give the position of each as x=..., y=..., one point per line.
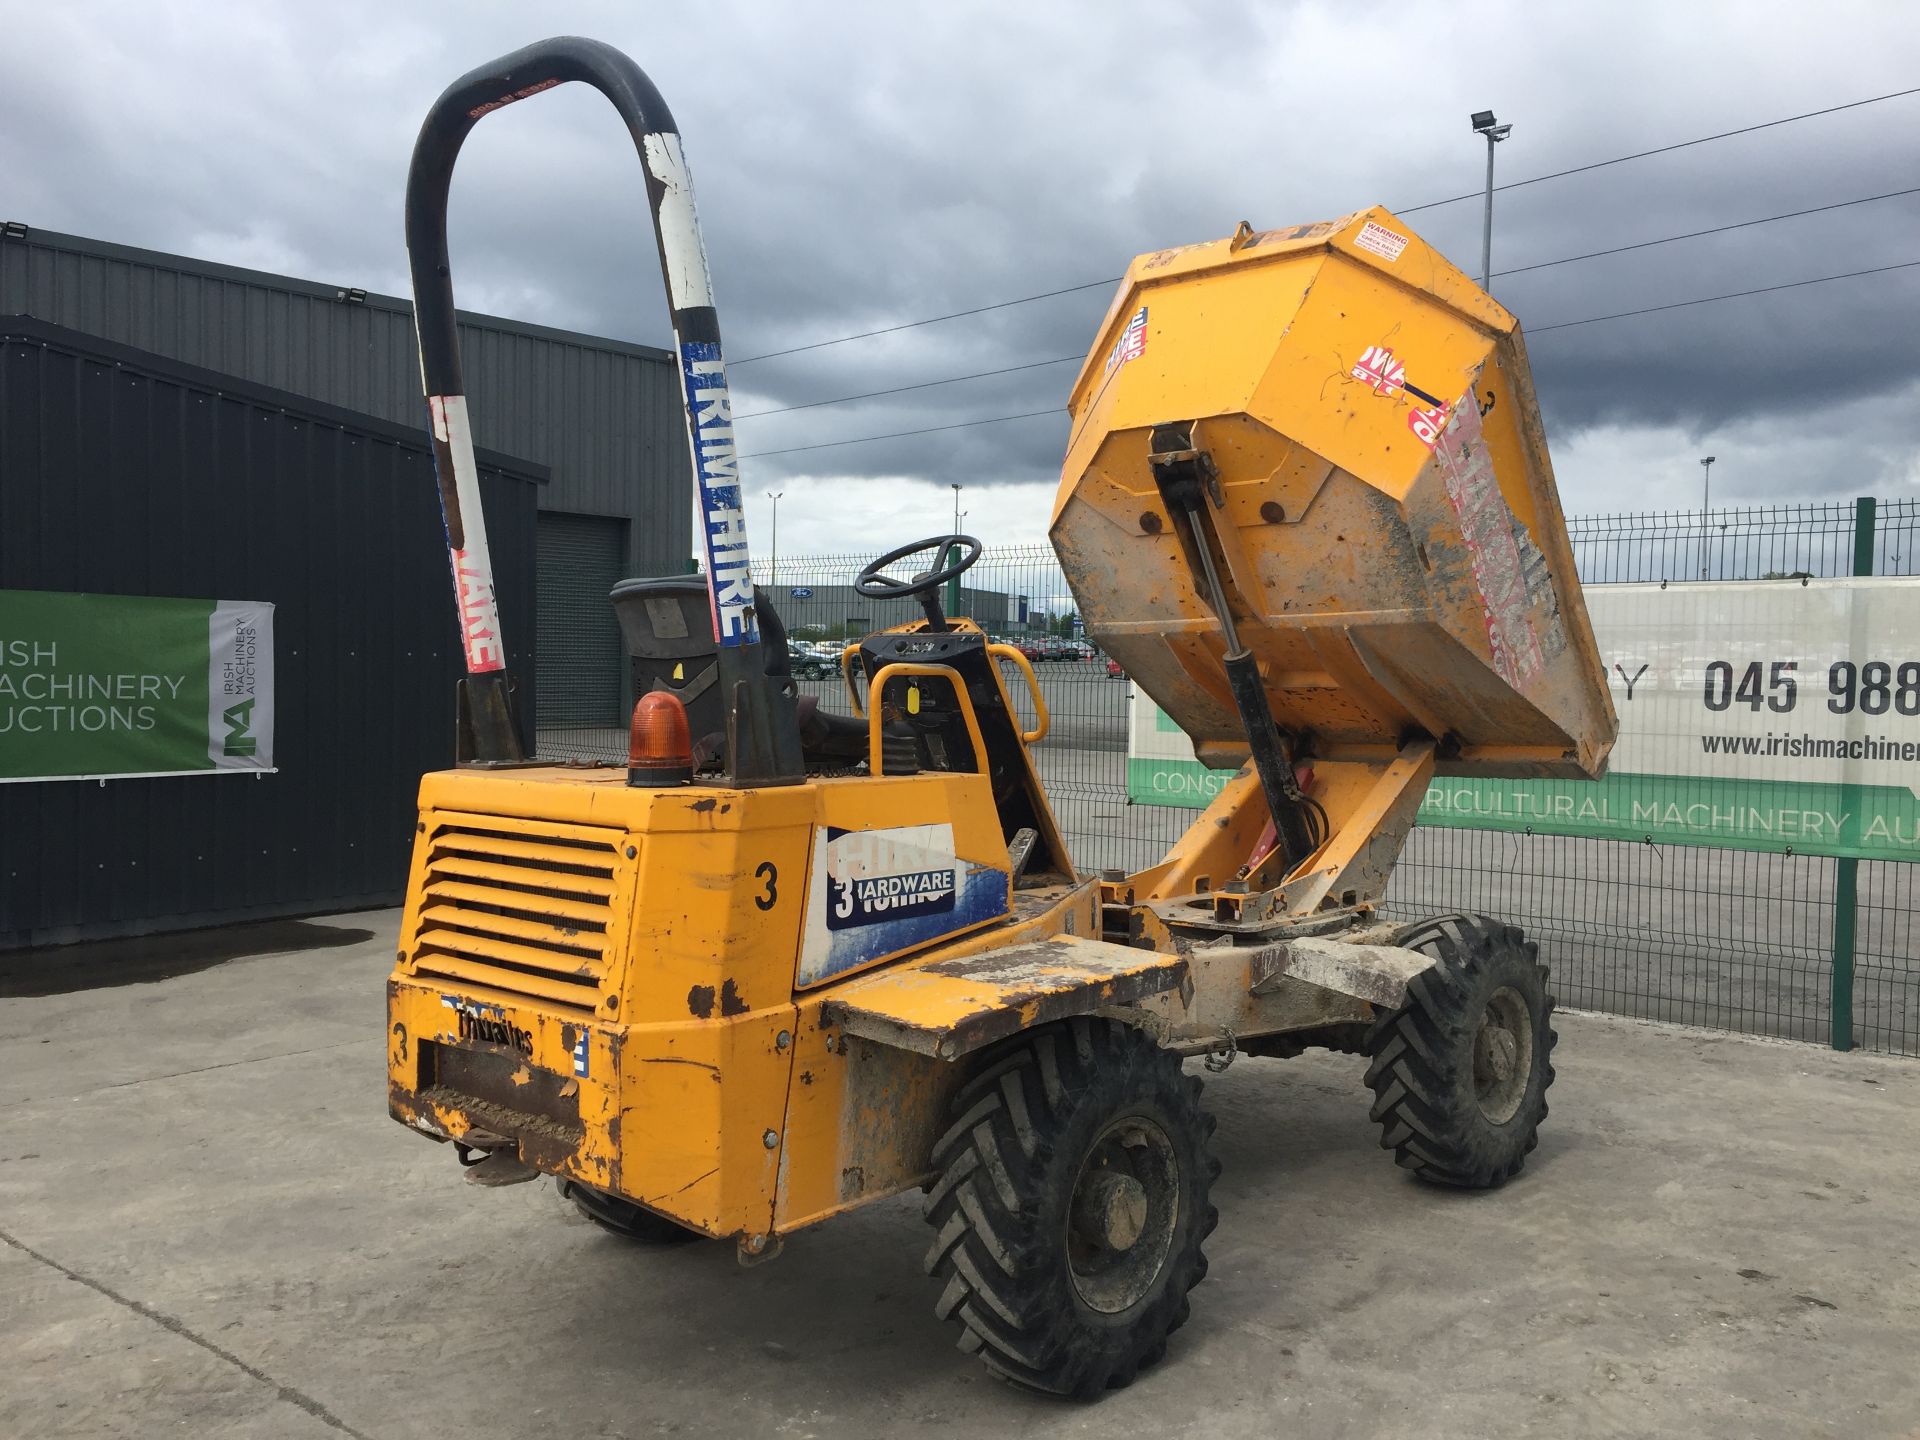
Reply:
x=623, y=1217
x=1421, y=1065
x=1006, y=1166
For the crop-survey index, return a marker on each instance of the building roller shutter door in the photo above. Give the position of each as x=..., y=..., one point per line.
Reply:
x=579, y=655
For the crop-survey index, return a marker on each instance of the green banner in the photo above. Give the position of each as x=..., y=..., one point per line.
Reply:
x=99, y=686
x=1867, y=822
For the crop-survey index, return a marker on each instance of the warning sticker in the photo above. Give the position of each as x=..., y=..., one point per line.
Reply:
x=1378, y=368
x=1385, y=243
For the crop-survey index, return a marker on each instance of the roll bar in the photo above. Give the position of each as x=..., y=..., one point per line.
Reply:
x=763, y=736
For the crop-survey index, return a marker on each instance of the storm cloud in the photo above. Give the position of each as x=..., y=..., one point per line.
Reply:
x=863, y=165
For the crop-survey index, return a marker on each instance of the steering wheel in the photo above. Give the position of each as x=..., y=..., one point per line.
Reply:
x=875, y=585
x=925, y=587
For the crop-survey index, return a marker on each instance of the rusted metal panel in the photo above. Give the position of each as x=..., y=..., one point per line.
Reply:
x=511, y=1096
x=949, y=1008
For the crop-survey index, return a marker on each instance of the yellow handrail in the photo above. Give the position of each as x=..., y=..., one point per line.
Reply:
x=876, y=763
x=846, y=674
x=1039, y=731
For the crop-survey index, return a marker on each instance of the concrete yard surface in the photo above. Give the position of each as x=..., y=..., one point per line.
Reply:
x=209, y=1228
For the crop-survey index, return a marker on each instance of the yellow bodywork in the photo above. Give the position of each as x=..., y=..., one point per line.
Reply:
x=643, y=988
x=612, y=978
x=1397, y=564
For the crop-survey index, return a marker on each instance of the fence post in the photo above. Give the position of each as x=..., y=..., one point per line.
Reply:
x=1846, y=871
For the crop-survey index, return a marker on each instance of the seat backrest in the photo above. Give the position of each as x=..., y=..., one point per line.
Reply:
x=669, y=634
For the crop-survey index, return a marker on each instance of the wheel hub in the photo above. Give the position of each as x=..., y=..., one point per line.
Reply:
x=1502, y=1055
x=1110, y=1210
x=1122, y=1214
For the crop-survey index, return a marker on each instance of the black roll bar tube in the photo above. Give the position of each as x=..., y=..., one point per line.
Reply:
x=763, y=738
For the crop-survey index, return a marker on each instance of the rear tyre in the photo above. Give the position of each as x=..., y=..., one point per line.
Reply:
x=625, y=1218
x=1460, y=1072
x=1071, y=1207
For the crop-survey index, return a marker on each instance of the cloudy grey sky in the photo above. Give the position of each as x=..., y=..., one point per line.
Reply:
x=862, y=165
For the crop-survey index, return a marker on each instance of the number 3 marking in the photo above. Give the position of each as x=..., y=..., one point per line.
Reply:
x=765, y=871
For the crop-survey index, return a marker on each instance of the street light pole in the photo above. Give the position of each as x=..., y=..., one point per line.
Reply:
x=953, y=585
x=1706, y=494
x=773, y=547
x=1485, y=124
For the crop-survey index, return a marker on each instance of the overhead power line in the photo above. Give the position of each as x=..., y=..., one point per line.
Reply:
x=1530, y=330
x=903, y=389
x=930, y=320
x=1663, y=149
x=1711, y=299
x=1517, y=270
x=902, y=434
x=1716, y=230
x=1410, y=210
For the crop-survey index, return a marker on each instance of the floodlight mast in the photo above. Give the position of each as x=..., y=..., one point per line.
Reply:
x=1484, y=124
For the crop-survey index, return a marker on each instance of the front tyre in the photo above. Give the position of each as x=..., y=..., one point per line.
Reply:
x=1071, y=1206
x=1460, y=1072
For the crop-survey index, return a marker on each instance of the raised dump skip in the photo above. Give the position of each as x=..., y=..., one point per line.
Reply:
x=1387, y=531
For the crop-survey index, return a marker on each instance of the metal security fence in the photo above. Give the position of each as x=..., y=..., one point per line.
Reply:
x=1753, y=543
x=1795, y=946
x=1726, y=939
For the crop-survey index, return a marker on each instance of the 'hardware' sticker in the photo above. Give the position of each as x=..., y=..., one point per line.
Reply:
x=876, y=893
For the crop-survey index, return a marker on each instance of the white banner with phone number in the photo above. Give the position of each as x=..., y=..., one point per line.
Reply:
x=1778, y=715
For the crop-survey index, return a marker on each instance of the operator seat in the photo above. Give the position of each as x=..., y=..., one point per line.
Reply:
x=669, y=633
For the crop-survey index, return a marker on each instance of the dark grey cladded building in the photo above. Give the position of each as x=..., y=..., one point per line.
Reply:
x=603, y=418
x=123, y=472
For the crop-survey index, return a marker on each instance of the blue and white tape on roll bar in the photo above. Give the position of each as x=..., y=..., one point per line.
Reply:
x=703, y=379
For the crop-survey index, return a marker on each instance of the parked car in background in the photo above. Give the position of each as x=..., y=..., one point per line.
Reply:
x=1114, y=672
x=813, y=659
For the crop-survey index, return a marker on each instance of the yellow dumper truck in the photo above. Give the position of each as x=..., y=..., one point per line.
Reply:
x=787, y=962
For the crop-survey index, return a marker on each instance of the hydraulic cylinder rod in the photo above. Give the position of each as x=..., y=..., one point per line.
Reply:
x=1184, y=475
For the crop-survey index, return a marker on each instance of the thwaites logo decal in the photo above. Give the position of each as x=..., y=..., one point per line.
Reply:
x=879, y=892
x=488, y=1025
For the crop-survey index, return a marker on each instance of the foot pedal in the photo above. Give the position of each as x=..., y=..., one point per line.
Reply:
x=502, y=1167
